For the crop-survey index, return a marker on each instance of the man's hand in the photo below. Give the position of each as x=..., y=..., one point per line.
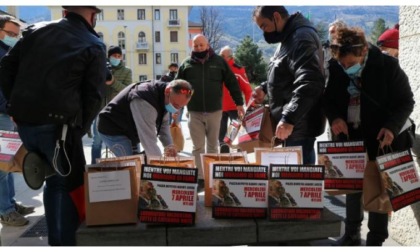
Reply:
x=258, y=94
x=241, y=112
x=284, y=130
x=339, y=126
x=385, y=137
x=110, y=82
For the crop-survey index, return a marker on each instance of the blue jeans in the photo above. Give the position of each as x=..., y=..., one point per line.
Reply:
x=119, y=145
x=308, y=150
x=7, y=185
x=97, y=142
x=60, y=211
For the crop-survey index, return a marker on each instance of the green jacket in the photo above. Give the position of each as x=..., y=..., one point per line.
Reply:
x=207, y=77
x=122, y=78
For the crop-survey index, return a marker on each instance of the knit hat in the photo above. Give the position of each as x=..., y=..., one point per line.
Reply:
x=390, y=38
x=114, y=49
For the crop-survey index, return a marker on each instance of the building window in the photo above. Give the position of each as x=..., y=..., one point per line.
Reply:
x=157, y=36
x=158, y=59
x=174, y=58
x=101, y=36
x=100, y=15
x=157, y=14
x=141, y=14
x=121, y=40
x=143, y=77
x=142, y=59
x=120, y=14
x=142, y=37
x=174, y=36
x=173, y=14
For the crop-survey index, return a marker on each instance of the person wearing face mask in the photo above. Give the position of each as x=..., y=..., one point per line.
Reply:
x=121, y=78
x=11, y=213
x=168, y=77
x=388, y=41
x=295, y=80
x=54, y=81
x=368, y=97
x=140, y=114
x=207, y=72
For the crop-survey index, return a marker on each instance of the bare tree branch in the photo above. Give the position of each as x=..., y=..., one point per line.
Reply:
x=212, y=28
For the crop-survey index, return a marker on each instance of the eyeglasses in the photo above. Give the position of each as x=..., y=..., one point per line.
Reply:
x=10, y=33
x=344, y=48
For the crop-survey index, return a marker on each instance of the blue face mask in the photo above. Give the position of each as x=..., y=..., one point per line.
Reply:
x=170, y=108
x=10, y=41
x=353, y=70
x=114, y=62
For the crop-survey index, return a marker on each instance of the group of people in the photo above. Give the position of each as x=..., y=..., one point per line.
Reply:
x=366, y=96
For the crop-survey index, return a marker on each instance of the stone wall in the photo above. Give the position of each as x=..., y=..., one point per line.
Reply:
x=405, y=223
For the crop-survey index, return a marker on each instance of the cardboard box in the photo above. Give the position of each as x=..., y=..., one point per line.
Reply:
x=111, y=193
x=12, y=151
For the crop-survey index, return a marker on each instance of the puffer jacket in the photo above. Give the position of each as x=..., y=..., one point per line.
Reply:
x=207, y=77
x=55, y=74
x=240, y=74
x=295, y=80
x=122, y=78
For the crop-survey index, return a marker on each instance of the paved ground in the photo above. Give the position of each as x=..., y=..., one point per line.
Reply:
x=34, y=234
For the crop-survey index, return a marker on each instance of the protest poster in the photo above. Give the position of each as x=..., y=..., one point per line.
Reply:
x=295, y=192
x=239, y=191
x=168, y=195
x=400, y=177
x=344, y=163
x=10, y=143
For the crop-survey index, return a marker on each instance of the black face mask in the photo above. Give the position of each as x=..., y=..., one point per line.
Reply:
x=201, y=55
x=274, y=36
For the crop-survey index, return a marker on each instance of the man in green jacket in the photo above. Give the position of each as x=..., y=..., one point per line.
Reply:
x=206, y=72
x=121, y=77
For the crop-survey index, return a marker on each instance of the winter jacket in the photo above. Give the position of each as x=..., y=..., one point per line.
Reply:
x=240, y=74
x=386, y=99
x=122, y=78
x=117, y=119
x=55, y=74
x=295, y=80
x=207, y=77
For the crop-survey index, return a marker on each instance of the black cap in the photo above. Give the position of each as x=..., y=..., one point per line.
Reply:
x=97, y=10
x=114, y=49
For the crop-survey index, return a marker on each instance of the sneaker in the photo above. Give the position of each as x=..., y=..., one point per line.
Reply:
x=349, y=240
x=24, y=210
x=13, y=219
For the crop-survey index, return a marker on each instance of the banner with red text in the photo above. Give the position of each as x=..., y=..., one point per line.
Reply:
x=168, y=195
x=400, y=177
x=295, y=192
x=239, y=191
x=344, y=163
x=9, y=144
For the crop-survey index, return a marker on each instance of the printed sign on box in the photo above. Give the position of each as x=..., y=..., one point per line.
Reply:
x=239, y=191
x=9, y=144
x=344, y=163
x=295, y=192
x=400, y=177
x=168, y=195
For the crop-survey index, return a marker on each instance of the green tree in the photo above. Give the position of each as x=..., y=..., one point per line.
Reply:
x=377, y=29
x=251, y=57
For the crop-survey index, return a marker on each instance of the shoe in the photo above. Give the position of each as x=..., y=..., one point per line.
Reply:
x=200, y=187
x=24, y=210
x=13, y=219
x=224, y=149
x=349, y=240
